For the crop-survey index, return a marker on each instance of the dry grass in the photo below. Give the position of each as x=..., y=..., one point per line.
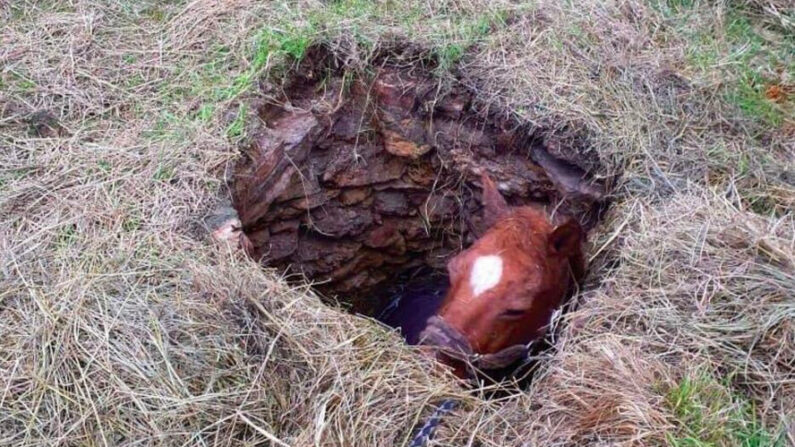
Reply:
x=120, y=324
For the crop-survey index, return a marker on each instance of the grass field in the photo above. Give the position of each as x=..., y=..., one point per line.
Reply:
x=122, y=324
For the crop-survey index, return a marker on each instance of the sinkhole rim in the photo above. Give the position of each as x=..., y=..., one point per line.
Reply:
x=403, y=137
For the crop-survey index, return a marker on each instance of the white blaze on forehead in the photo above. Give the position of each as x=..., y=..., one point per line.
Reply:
x=486, y=273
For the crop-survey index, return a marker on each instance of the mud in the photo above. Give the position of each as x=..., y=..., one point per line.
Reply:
x=352, y=179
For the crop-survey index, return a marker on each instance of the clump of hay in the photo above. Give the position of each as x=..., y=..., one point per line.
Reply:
x=121, y=324
x=215, y=348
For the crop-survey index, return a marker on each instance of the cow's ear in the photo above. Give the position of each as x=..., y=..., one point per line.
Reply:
x=494, y=205
x=565, y=239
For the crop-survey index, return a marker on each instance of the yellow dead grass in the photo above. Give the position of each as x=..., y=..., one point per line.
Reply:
x=121, y=324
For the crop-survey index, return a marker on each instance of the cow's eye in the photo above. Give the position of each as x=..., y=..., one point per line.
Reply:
x=513, y=313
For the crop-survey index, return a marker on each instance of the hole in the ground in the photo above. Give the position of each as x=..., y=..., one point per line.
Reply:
x=365, y=183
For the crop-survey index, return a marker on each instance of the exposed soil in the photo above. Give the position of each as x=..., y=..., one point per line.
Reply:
x=352, y=179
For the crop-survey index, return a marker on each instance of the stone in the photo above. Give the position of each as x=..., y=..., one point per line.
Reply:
x=452, y=105
x=301, y=184
x=459, y=135
x=319, y=255
x=281, y=245
x=228, y=232
x=397, y=144
x=348, y=125
x=399, y=184
x=361, y=281
x=315, y=200
x=338, y=222
x=352, y=187
x=438, y=207
x=421, y=173
x=568, y=178
x=277, y=152
x=260, y=237
x=285, y=225
x=353, y=196
x=386, y=237
x=282, y=211
x=365, y=260
x=258, y=209
x=394, y=92
x=362, y=166
x=403, y=134
x=391, y=203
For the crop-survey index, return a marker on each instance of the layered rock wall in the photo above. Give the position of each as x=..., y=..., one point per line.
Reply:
x=352, y=182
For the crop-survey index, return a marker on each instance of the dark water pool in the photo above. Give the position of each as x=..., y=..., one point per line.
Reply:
x=411, y=301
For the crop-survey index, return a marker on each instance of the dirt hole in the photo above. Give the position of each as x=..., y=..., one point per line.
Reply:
x=364, y=182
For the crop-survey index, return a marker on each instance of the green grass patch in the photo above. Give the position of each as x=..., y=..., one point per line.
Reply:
x=670, y=8
x=134, y=80
x=164, y=173
x=205, y=112
x=449, y=32
x=272, y=49
x=169, y=126
x=10, y=176
x=66, y=236
x=748, y=61
x=454, y=37
x=236, y=129
x=224, y=76
x=709, y=414
x=26, y=85
x=293, y=43
x=132, y=223
x=749, y=95
x=14, y=80
x=756, y=59
x=155, y=14
x=448, y=55
x=129, y=58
